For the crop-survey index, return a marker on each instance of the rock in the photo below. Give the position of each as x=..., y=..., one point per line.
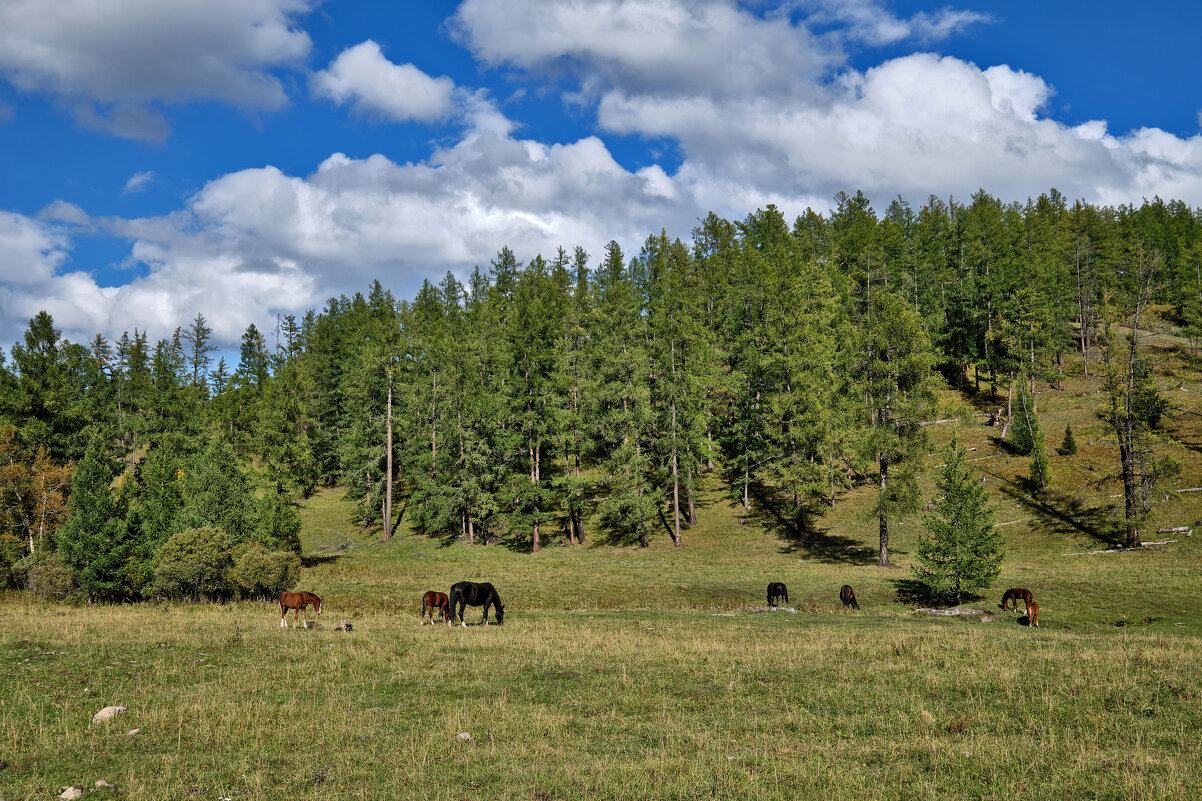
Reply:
x=982, y=615
x=107, y=714
x=102, y=783
x=463, y=736
x=310, y=624
x=72, y=792
x=132, y=732
x=343, y=626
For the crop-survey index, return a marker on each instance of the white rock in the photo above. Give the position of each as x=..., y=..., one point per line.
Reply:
x=132, y=732
x=72, y=792
x=102, y=783
x=463, y=736
x=106, y=714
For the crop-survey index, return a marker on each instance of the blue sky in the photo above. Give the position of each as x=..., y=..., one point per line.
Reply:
x=247, y=158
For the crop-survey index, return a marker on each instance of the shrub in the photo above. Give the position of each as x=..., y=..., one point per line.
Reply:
x=12, y=550
x=194, y=563
x=262, y=574
x=46, y=575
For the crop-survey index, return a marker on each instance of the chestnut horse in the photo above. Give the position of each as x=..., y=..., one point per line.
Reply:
x=297, y=601
x=777, y=590
x=1033, y=614
x=848, y=596
x=435, y=602
x=472, y=594
x=1014, y=594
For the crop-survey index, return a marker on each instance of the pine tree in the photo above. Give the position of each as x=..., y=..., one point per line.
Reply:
x=964, y=550
x=94, y=541
x=1069, y=446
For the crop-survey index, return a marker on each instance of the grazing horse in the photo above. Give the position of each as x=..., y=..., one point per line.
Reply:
x=777, y=590
x=297, y=601
x=848, y=596
x=435, y=602
x=472, y=594
x=1013, y=595
x=1033, y=614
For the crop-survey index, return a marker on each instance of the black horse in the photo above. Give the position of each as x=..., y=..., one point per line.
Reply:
x=470, y=593
x=848, y=596
x=777, y=590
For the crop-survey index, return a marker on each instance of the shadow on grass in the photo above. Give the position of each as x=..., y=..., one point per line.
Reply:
x=1054, y=511
x=799, y=535
x=313, y=560
x=912, y=591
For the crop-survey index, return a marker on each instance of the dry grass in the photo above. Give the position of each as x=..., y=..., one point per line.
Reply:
x=650, y=676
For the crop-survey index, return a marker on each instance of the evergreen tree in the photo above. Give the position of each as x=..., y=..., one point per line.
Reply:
x=1069, y=446
x=94, y=541
x=963, y=551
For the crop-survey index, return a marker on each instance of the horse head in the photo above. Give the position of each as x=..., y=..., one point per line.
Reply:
x=500, y=613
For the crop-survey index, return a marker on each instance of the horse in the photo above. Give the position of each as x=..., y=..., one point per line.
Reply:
x=1033, y=614
x=435, y=602
x=848, y=596
x=777, y=590
x=469, y=593
x=297, y=601
x=1014, y=594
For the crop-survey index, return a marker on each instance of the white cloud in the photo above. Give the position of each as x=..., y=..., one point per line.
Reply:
x=112, y=62
x=762, y=107
x=138, y=181
x=362, y=76
x=256, y=242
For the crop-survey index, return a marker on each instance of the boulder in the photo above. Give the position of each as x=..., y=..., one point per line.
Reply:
x=72, y=792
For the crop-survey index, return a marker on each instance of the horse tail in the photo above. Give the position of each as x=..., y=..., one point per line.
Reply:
x=786, y=595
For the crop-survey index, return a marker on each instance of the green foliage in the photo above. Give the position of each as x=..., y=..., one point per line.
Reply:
x=216, y=494
x=964, y=551
x=12, y=551
x=1068, y=446
x=262, y=575
x=1041, y=468
x=278, y=523
x=95, y=541
x=46, y=575
x=195, y=564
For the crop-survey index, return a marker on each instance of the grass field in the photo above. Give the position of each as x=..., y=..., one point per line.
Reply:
x=652, y=675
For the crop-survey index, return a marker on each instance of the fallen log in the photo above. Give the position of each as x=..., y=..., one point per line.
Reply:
x=1174, y=530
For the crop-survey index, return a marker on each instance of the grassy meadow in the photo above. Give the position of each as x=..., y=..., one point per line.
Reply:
x=627, y=673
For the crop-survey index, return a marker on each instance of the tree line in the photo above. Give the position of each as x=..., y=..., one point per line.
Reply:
x=571, y=399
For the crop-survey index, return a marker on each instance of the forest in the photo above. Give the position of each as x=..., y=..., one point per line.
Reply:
x=578, y=399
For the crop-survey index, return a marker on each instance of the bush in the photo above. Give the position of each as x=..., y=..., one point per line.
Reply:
x=46, y=575
x=262, y=574
x=12, y=550
x=195, y=563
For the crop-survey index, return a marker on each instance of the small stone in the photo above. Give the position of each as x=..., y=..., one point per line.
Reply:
x=107, y=714
x=102, y=783
x=72, y=792
x=132, y=732
x=464, y=736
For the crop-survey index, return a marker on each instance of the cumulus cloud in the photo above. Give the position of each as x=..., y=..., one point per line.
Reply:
x=362, y=76
x=256, y=242
x=111, y=63
x=790, y=122
x=138, y=181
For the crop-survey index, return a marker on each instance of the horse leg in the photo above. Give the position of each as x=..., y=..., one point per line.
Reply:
x=283, y=618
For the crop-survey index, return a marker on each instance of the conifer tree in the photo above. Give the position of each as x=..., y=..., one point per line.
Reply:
x=94, y=540
x=1069, y=446
x=962, y=551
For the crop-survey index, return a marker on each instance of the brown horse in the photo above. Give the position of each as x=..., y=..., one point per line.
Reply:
x=848, y=596
x=297, y=601
x=1015, y=594
x=1033, y=614
x=435, y=601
